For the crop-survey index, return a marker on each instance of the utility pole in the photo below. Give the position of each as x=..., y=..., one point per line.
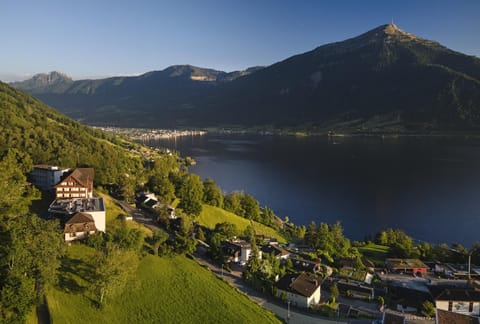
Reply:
x=288, y=311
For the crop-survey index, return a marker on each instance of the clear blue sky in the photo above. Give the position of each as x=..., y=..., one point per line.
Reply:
x=97, y=38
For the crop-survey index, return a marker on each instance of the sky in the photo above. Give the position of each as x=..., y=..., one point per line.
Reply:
x=100, y=38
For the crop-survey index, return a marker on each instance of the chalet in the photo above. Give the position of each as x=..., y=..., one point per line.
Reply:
x=66, y=208
x=459, y=300
x=80, y=226
x=446, y=317
x=45, y=177
x=302, y=290
x=78, y=184
x=238, y=251
x=411, y=266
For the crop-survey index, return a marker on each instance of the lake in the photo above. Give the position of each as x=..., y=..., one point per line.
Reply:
x=427, y=186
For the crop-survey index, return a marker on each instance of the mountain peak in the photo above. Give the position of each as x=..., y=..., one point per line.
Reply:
x=52, y=77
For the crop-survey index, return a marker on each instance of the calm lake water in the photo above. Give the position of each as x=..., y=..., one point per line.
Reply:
x=429, y=187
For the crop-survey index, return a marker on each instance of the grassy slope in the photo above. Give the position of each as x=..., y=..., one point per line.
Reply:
x=166, y=290
x=211, y=216
x=374, y=252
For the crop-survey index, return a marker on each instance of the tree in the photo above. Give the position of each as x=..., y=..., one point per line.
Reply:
x=30, y=249
x=428, y=308
x=334, y=293
x=15, y=195
x=250, y=207
x=228, y=230
x=184, y=242
x=191, y=195
x=113, y=268
x=162, y=187
x=212, y=195
x=232, y=203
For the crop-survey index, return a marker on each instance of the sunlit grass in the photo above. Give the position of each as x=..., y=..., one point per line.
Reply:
x=165, y=290
x=211, y=216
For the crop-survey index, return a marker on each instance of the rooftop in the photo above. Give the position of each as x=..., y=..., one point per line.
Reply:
x=49, y=167
x=446, y=317
x=304, y=284
x=72, y=206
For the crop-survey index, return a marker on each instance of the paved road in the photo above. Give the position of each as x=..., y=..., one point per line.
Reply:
x=139, y=216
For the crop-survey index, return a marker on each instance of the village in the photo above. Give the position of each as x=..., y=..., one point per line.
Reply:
x=393, y=291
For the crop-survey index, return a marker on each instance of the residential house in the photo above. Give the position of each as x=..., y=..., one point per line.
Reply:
x=238, y=251
x=79, y=227
x=45, y=177
x=277, y=251
x=150, y=201
x=411, y=266
x=308, y=266
x=408, y=300
x=66, y=208
x=302, y=290
x=78, y=184
x=459, y=300
x=446, y=317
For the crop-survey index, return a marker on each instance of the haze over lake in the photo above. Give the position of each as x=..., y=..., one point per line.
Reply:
x=428, y=187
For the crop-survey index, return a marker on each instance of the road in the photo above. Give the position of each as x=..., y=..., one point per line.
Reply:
x=139, y=216
x=234, y=278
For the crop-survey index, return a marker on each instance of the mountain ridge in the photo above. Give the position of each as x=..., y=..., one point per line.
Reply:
x=380, y=73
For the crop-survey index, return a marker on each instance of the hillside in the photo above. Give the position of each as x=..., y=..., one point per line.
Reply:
x=212, y=216
x=49, y=137
x=385, y=79
x=166, y=290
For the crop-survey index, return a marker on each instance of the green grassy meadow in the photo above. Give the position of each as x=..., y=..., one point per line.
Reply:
x=165, y=290
x=211, y=216
x=374, y=252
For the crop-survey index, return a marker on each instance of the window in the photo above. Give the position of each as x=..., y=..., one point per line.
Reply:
x=470, y=307
x=450, y=306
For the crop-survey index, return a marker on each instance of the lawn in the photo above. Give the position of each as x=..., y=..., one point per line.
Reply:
x=211, y=216
x=165, y=290
x=374, y=252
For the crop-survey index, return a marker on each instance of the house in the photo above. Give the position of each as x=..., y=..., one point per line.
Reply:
x=411, y=266
x=78, y=184
x=45, y=177
x=238, y=251
x=446, y=317
x=459, y=300
x=79, y=227
x=302, y=290
x=277, y=251
x=150, y=201
x=308, y=266
x=66, y=208
x=408, y=300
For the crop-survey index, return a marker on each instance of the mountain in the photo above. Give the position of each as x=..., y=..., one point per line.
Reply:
x=385, y=79
x=45, y=82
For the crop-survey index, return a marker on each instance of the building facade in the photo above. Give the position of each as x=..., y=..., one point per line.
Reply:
x=78, y=184
x=45, y=177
